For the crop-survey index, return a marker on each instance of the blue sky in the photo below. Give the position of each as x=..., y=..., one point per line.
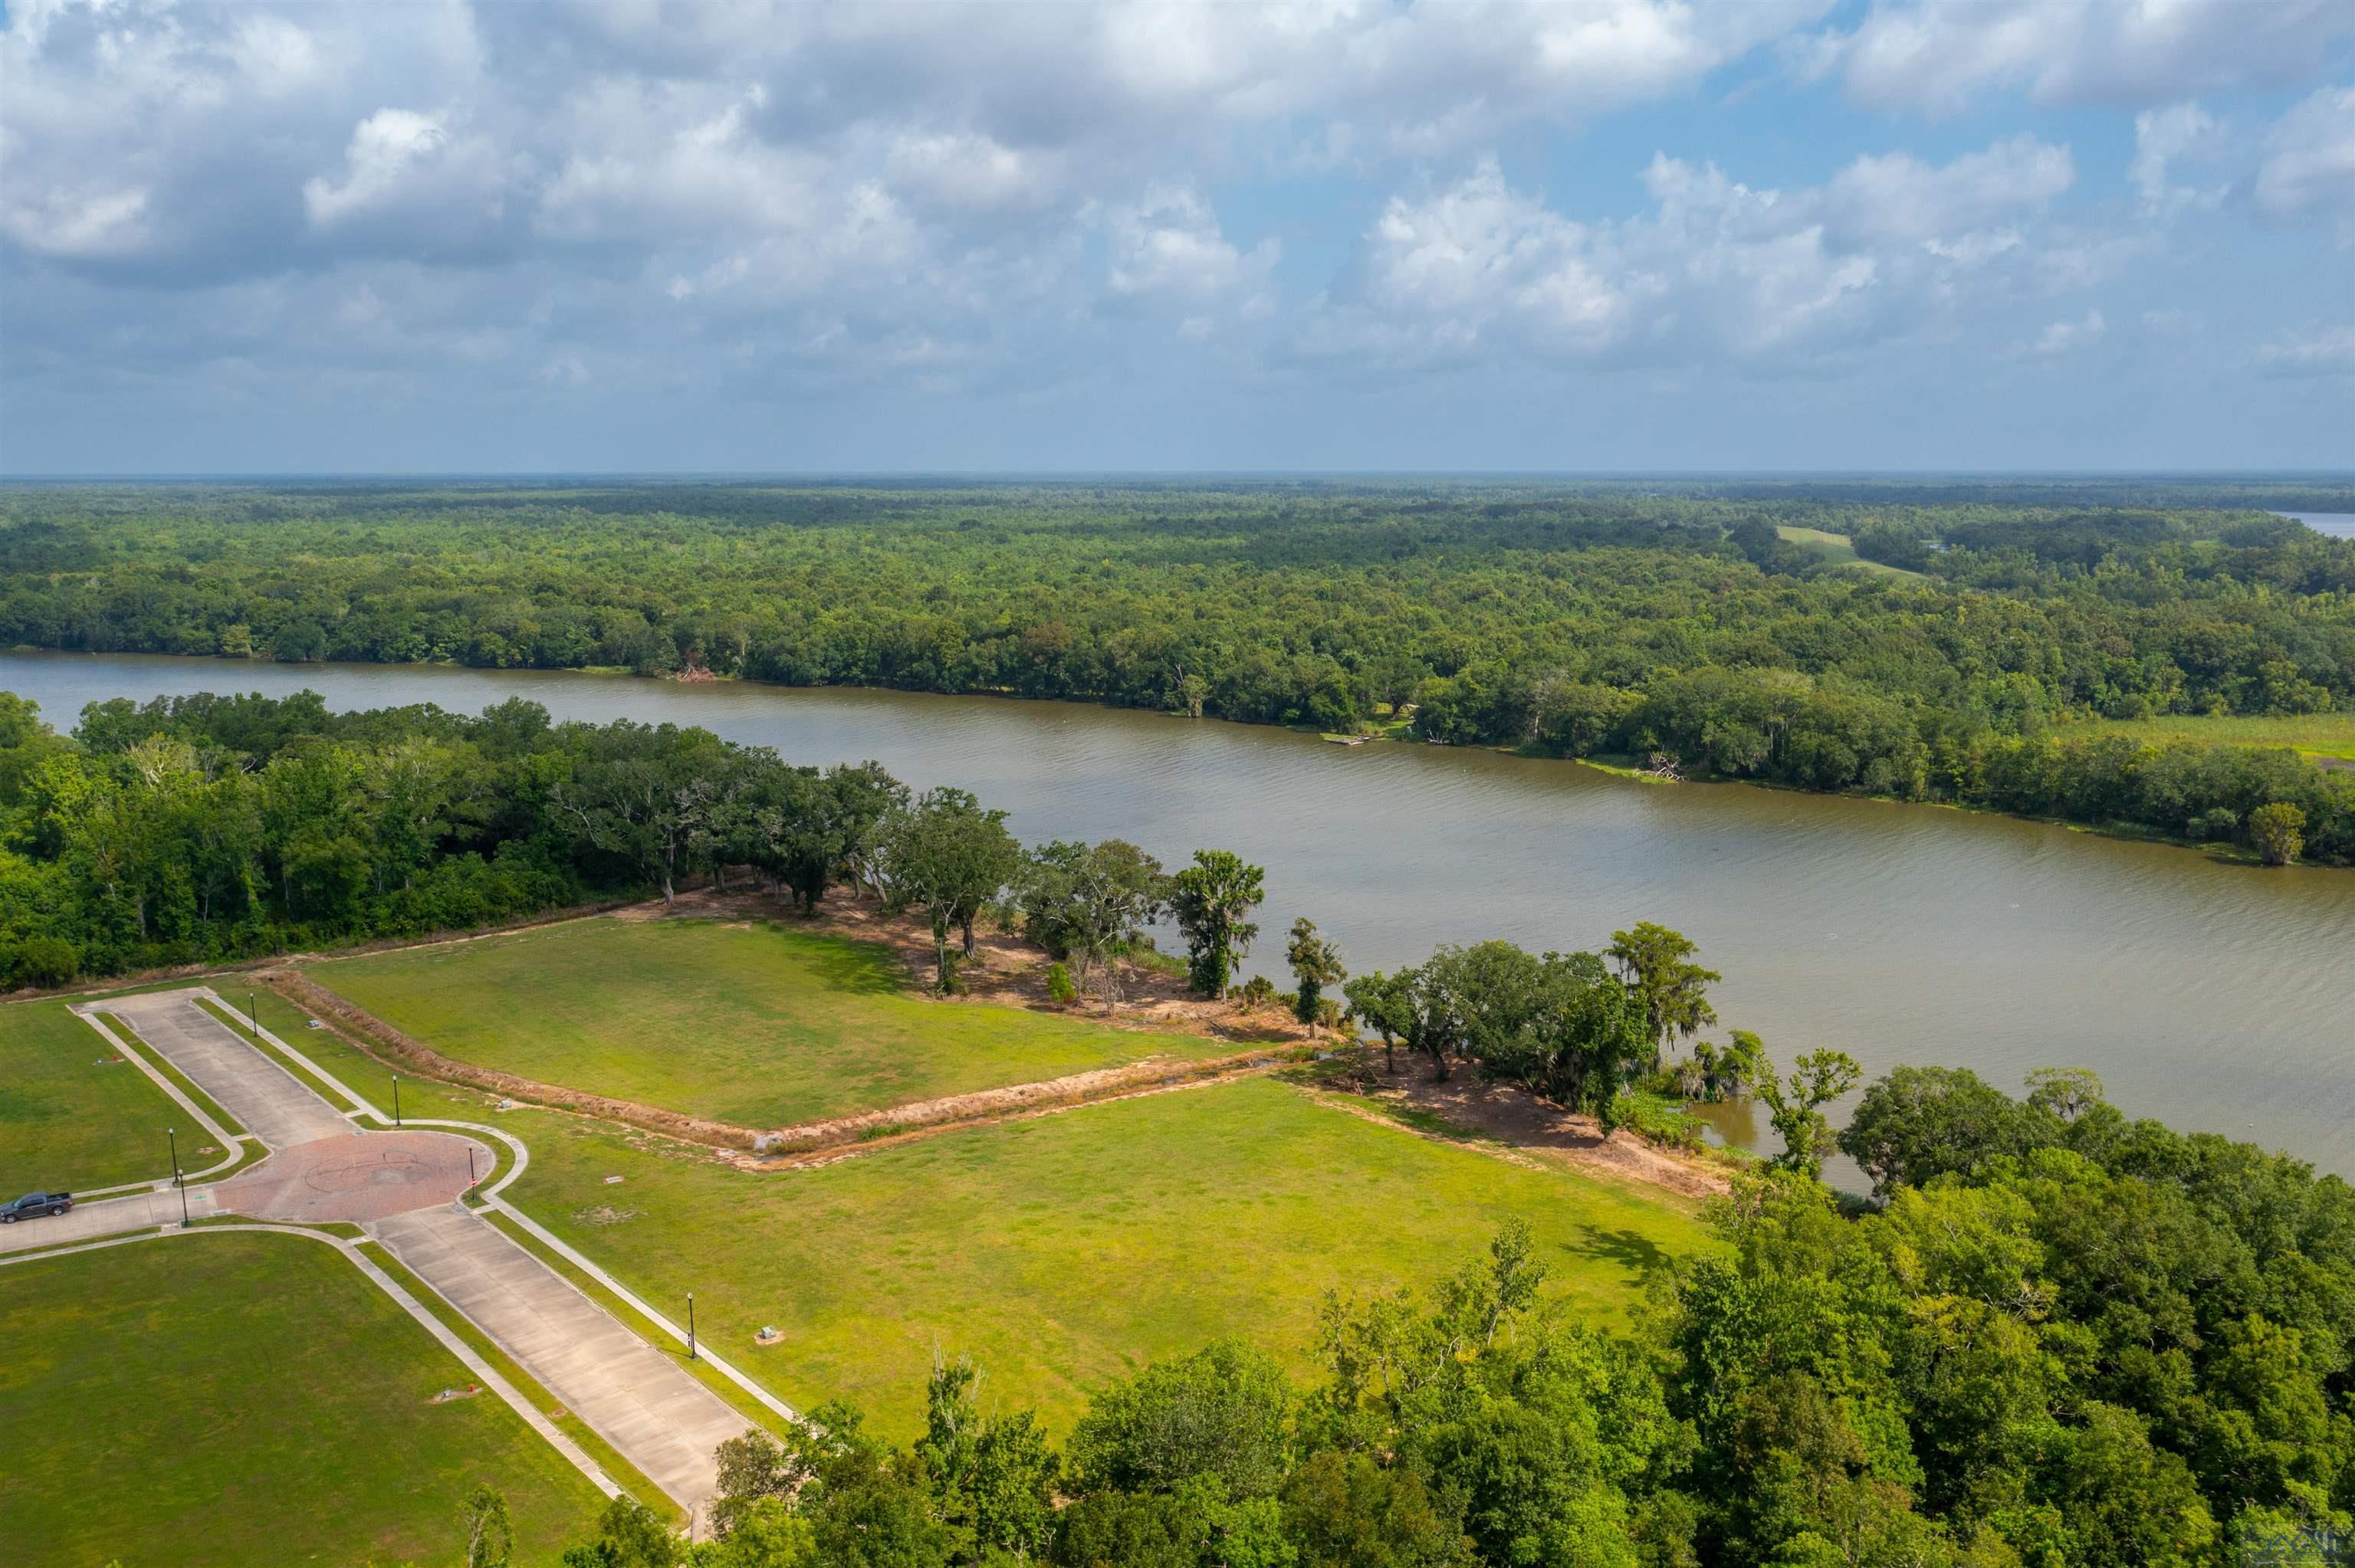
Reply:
x=1593, y=235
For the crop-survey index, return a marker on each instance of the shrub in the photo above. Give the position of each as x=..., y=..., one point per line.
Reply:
x=2279, y=832
x=1257, y=991
x=45, y=961
x=1059, y=989
x=2216, y=823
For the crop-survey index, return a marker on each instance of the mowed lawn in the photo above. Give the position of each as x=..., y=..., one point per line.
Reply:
x=73, y=1115
x=241, y=1399
x=1063, y=1250
x=761, y=1025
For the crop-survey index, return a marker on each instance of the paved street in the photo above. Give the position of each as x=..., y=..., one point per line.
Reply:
x=634, y=1395
x=271, y=1102
x=108, y=1216
x=400, y=1186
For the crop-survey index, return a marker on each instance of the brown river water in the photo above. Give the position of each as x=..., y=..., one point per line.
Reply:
x=2210, y=994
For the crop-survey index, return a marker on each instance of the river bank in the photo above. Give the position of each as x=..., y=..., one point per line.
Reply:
x=2208, y=994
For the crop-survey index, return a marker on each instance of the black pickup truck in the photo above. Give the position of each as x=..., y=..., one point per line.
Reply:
x=32, y=1203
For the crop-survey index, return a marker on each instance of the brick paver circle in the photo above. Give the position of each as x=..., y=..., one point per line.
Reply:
x=366, y=1176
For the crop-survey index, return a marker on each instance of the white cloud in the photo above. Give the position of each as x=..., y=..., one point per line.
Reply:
x=1170, y=243
x=79, y=225
x=2064, y=337
x=384, y=148
x=1936, y=56
x=791, y=199
x=1897, y=197
x=2165, y=136
x=1713, y=271
x=2308, y=160
x=2322, y=349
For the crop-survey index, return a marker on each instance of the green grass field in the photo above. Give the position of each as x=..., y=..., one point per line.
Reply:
x=239, y=1399
x=73, y=1118
x=1062, y=1250
x=2316, y=735
x=1836, y=551
x=759, y=1025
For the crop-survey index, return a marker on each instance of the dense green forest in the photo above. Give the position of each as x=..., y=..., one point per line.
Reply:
x=2063, y=1340
x=194, y=829
x=2058, y=1338
x=1608, y=620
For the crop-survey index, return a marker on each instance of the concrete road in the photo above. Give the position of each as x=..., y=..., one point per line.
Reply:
x=630, y=1394
x=106, y=1217
x=272, y=1102
x=399, y=1187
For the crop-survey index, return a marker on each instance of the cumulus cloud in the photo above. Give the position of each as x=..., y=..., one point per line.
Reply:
x=1714, y=270
x=2167, y=136
x=2308, y=160
x=2064, y=337
x=1896, y=196
x=1937, y=56
x=386, y=148
x=1170, y=243
x=2321, y=349
x=77, y=224
x=779, y=199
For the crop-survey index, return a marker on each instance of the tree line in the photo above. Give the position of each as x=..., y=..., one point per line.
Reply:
x=2061, y=1340
x=201, y=828
x=1562, y=620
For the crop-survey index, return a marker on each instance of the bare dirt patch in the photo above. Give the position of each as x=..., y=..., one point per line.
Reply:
x=1014, y=1099
x=1521, y=1121
x=834, y=1154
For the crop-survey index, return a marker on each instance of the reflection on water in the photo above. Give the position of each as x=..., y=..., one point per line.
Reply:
x=1738, y=1122
x=2210, y=994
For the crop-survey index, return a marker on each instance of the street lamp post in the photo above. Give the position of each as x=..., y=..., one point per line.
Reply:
x=690, y=1325
x=253, y=1019
x=173, y=1133
x=396, y=1099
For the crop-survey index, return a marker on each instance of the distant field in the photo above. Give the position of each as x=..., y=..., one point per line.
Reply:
x=241, y=1399
x=761, y=1025
x=1066, y=1249
x=1836, y=551
x=71, y=1118
x=2317, y=735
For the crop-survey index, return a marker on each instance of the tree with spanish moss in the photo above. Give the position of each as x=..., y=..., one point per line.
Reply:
x=1656, y=965
x=1211, y=901
x=1316, y=965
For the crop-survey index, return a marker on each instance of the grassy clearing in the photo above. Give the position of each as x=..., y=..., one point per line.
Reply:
x=245, y=1398
x=74, y=1116
x=1836, y=551
x=1062, y=1250
x=2316, y=735
x=761, y=1025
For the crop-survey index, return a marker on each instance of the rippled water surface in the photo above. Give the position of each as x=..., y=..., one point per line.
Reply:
x=2212, y=995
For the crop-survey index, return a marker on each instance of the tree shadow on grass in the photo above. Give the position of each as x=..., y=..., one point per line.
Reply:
x=846, y=966
x=1638, y=1255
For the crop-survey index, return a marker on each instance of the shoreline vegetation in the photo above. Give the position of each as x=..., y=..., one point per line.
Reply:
x=2332, y=751
x=2045, y=650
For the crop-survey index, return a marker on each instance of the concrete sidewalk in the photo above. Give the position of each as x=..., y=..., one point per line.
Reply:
x=656, y=1413
x=633, y=1395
